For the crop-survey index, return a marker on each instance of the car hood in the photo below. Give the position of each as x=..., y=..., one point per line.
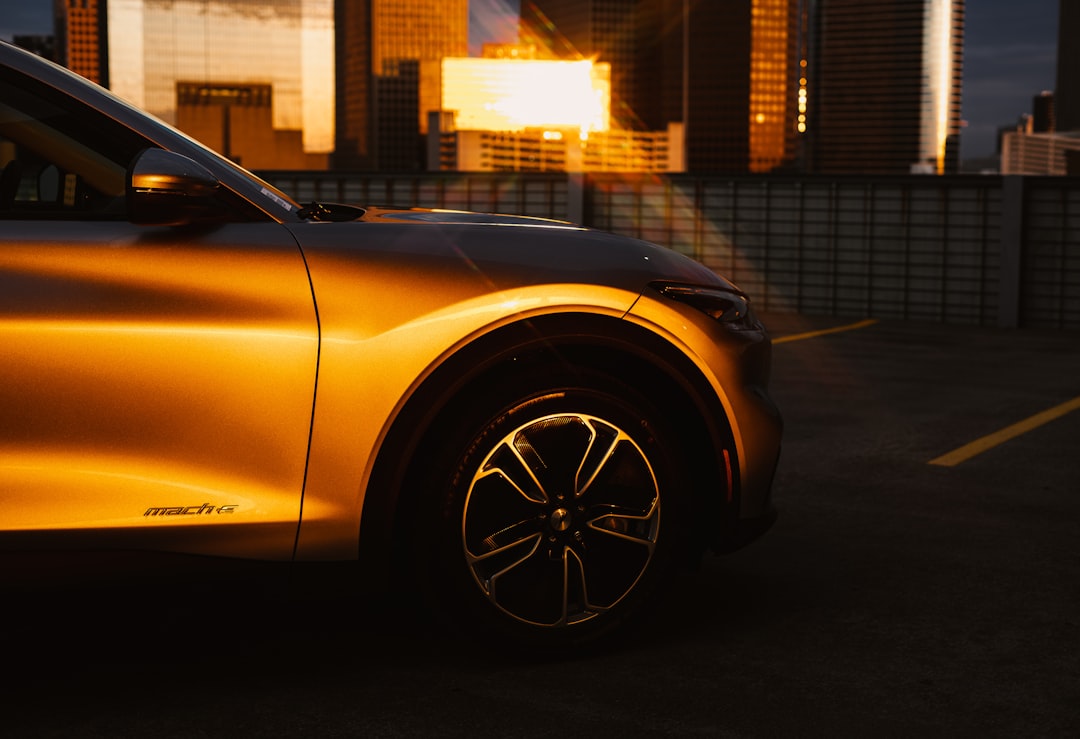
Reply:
x=504, y=251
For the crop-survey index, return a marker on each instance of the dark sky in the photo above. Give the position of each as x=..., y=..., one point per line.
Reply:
x=1010, y=54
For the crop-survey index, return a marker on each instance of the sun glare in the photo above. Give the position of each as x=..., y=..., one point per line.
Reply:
x=518, y=94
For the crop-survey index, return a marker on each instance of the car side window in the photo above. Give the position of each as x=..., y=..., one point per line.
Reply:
x=60, y=159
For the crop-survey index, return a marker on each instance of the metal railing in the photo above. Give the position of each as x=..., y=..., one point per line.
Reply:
x=979, y=250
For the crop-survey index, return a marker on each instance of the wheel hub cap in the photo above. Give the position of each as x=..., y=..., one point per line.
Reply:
x=560, y=520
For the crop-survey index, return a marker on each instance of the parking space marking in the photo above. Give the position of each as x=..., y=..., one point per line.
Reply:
x=986, y=443
x=825, y=331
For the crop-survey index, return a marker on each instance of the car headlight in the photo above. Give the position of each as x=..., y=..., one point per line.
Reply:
x=727, y=307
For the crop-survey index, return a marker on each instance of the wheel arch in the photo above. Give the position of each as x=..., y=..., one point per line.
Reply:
x=577, y=340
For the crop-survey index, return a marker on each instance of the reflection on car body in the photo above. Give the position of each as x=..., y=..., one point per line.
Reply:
x=533, y=422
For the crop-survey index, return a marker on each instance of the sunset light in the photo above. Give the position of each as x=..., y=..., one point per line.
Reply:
x=940, y=53
x=516, y=94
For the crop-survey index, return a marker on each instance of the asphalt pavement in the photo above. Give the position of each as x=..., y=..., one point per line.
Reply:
x=897, y=595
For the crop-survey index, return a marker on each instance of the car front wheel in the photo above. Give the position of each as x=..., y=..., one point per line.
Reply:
x=556, y=511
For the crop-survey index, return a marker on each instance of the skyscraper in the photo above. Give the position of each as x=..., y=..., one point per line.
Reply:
x=729, y=70
x=885, y=86
x=1067, y=94
x=742, y=84
x=251, y=78
x=388, y=54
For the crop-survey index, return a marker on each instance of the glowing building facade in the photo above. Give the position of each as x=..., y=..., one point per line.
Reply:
x=515, y=94
x=253, y=79
x=885, y=86
x=551, y=149
x=777, y=113
x=388, y=66
x=508, y=113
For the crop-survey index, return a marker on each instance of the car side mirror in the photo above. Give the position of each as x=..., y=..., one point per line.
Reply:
x=168, y=189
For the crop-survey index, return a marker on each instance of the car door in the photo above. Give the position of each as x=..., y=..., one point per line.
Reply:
x=156, y=383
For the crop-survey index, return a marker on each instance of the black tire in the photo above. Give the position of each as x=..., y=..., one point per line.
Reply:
x=554, y=513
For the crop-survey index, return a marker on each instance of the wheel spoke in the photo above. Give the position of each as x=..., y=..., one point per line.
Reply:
x=554, y=449
x=624, y=479
x=503, y=528
x=577, y=605
x=510, y=538
x=508, y=462
x=640, y=529
x=601, y=446
x=492, y=566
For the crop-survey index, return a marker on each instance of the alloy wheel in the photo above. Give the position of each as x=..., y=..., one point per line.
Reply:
x=561, y=519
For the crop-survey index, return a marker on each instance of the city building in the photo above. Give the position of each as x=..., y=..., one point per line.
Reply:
x=885, y=81
x=541, y=149
x=509, y=112
x=1024, y=153
x=535, y=150
x=253, y=79
x=388, y=64
x=81, y=42
x=1067, y=92
x=732, y=72
x=1048, y=141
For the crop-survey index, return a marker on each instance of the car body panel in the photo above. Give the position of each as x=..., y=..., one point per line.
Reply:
x=397, y=298
x=740, y=386
x=155, y=378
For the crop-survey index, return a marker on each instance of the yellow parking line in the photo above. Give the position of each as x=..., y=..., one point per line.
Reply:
x=979, y=446
x=824, y=331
